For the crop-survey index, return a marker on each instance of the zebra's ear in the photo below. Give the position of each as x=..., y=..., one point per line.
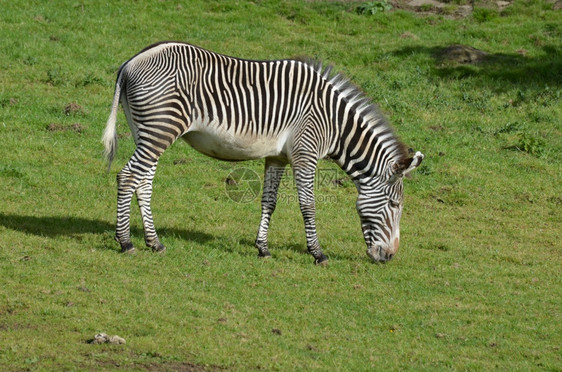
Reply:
x=405, y=166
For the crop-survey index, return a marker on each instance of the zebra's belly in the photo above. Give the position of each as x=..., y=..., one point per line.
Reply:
x=224, y=145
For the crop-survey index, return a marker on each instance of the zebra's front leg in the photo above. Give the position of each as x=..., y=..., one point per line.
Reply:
x=144, y=195
x=274, y=171
x=304, y=179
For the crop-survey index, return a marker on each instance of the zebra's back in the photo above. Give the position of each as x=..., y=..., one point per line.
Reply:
x=225, y=107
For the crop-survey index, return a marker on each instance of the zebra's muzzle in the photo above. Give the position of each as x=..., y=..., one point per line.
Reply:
x=378, y=254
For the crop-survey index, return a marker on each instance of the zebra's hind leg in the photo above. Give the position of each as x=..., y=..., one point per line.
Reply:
x=304, y=179
x=127, y=182
x=144, y=195
x=137, y=177
x=274, y=170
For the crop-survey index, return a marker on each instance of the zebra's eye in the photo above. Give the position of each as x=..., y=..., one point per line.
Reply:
x=394, y=203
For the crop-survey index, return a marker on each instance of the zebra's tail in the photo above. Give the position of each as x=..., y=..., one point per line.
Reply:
x=109, y=138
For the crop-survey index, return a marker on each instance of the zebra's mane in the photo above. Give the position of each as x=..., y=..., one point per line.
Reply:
x=354, y=95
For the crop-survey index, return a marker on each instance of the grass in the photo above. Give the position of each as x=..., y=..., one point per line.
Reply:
x=476, y=284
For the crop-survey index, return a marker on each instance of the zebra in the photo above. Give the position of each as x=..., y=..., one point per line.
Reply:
x=289, y=111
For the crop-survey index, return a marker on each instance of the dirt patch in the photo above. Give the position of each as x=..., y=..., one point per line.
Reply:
x=460, y=54
x=436, y=128
x=276, y=331
x=158, y=367
x=73, y=109
x=230, y=181
x=427, y=4
x=178, y=367
x=76, y=127
x=555, y=200
x=502, y=5
x=11, y=102
x=448, y=8
x=181, y=161
x=428, y=7
x=409, y=35
x=16, y=327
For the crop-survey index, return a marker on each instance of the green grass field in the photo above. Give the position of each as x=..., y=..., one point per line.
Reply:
x=476, y=284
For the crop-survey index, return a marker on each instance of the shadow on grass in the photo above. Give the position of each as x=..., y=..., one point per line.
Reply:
x=498, y=71
x=53, y=226
x=298, y=249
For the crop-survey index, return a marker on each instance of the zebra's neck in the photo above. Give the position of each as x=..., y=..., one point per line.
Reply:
x=366, y=145
x=362, y=142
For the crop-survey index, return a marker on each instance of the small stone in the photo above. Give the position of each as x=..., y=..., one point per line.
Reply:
x=100, y=338
x=116, y=340
x=103, y=338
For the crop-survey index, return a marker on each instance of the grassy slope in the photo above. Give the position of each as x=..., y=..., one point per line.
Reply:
x=475, y=285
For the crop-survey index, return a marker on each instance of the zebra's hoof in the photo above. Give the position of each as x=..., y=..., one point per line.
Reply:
x=159, y=248
x=127, y=247
x=264, y=255
x=130, y=251
x=321, y=261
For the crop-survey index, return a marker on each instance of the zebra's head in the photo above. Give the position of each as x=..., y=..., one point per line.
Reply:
x=380, y=206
